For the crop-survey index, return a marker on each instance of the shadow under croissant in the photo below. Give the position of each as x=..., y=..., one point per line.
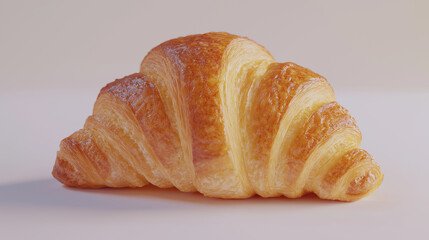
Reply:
x=48, y=193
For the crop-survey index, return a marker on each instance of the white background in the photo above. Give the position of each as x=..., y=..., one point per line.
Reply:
x=55, y=56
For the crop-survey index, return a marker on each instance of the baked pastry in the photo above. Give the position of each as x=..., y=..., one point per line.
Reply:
x=215, y=113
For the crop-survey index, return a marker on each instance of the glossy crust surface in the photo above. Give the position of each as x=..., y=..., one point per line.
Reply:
x=214, y=113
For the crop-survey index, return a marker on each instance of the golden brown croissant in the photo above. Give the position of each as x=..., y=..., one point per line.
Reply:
x=214, y=113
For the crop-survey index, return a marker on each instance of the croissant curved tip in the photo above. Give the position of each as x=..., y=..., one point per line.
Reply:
x=364, y=185
x=62, y=172
x=65, y=174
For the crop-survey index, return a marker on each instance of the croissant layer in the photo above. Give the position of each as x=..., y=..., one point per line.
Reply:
x=215, y=113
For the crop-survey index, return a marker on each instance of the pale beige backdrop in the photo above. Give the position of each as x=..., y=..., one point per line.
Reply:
x=86, y=44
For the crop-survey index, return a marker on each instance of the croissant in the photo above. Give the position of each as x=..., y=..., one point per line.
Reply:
x=214, y=113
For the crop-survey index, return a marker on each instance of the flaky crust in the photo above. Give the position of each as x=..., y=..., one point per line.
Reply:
x=214, y=113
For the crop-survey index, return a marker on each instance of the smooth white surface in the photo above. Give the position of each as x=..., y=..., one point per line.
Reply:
x=34, y=206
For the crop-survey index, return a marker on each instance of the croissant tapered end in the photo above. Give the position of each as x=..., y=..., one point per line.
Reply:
x=357, y=175
x=84, y=161
x=215, y=113
x=364, y=185
x=68, y=174
x=65, y=173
